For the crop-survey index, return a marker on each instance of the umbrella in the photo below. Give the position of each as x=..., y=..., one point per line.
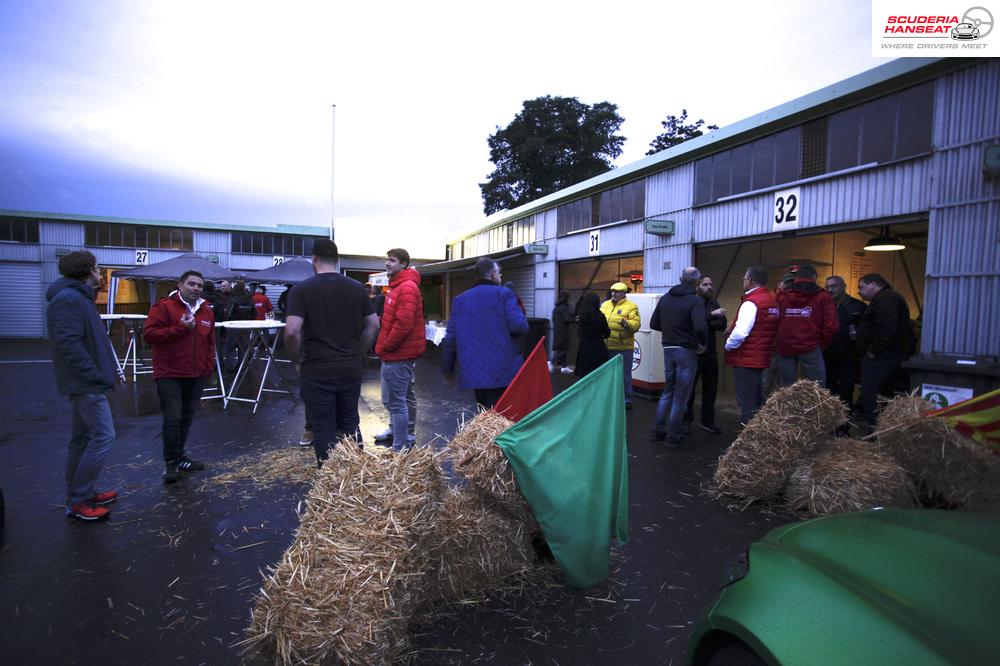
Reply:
x=292, y=271
x=171, y=269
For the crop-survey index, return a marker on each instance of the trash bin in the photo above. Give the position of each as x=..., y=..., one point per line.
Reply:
x=944, y=379
x=538, y=328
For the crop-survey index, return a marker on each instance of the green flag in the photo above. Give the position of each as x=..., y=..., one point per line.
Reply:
x=570, y=462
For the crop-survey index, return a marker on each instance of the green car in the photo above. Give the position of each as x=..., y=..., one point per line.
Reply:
x=901, y=586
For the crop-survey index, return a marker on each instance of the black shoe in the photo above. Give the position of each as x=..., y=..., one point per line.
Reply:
x=628, y=405
x=171, y=474
x=710, y=427
x=188, y=465
x=658, y=436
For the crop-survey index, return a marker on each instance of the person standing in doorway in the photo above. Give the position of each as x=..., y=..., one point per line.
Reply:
x=591, y=331
x=680, y=317
x=401, y=341
x=181, y=330
x=623, y=321
x=478, y=344
x=562, y=318
x=708, y=362
x=330, y=326
x=807, y=322
x=885, y=340
x=841, y=357
x=751, y=340
x=86, y=371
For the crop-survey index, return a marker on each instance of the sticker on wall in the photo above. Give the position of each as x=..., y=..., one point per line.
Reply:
x=636, y=355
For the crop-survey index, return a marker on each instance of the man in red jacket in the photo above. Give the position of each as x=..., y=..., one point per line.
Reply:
x=807, y=322
x=401, y=341
x=750, y=341
x=181, y=331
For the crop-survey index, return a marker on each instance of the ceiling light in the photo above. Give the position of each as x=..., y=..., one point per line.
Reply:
x=885, y=243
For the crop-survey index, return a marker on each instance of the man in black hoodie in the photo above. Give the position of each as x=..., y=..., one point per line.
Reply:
x=680, y=318
x=708, y=363
x=85, y=368
x=884, y=338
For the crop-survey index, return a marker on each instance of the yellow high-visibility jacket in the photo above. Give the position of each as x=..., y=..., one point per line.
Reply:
x=622, y=334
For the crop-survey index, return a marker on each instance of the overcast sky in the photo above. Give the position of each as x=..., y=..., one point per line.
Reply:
x=221, y=111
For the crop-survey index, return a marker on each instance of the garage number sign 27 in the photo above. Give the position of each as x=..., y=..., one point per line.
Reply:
x=787, y=210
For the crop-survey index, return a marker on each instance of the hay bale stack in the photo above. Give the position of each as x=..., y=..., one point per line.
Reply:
x=476, y=458
x=478, y=549
x=346, y=588
x=848, y=475
x=790, y=424
x=946, y=464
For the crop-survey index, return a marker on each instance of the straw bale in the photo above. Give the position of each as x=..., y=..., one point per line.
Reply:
x=848, y=475
x=478, y=549
x=476, y=458
x=347, y=586
x=285, y=465
x=948, y=466
x=789, y=425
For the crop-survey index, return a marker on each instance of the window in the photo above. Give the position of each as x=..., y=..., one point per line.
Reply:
x=878, y=130
x=18, y=230
x=913, y=121
x=763, y=163
x=813, y=159
x=843, y=132
x=282, y=245
x=742, y=167
x=574, y=216
x=103, y=234
x=786, y=156
x=720, y=174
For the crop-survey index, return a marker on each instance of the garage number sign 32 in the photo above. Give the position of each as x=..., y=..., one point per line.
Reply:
x=787, y=210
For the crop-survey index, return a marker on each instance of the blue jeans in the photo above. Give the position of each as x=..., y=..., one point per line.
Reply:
x=399, y=398
x=679, y=368
x=812, y=365
x=626, y=355
x=93, y=433
x=331, y=410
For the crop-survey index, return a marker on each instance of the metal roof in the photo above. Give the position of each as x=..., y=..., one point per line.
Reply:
x=279, y=229
x=872, y=83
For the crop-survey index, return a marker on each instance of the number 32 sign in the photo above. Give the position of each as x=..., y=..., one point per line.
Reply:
x=787, y=210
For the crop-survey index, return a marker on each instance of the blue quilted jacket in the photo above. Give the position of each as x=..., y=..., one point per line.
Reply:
x=478, y=340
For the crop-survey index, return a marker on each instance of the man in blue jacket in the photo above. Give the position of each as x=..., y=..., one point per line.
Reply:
x=86, y=370
x=478, y=341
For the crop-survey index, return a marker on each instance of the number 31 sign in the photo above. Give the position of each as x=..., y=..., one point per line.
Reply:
x=787, y=209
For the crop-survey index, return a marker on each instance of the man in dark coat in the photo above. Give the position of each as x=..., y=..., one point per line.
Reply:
x=884, y=338
x=562, y=317
x=841, y=357
x=708, y=362
x=86, y=370
x=680, y=317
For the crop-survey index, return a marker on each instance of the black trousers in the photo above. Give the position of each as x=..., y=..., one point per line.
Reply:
x=877, y=375
x=708, y=374
x=179, y=400
x=841, y=375
x=331, y=410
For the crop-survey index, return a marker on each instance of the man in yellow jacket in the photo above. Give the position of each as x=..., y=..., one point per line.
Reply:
x=623, y=320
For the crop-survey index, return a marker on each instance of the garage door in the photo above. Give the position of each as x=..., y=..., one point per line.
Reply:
x=22, y=301
x=524, y=285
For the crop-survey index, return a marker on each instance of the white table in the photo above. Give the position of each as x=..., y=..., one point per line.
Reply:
x=131, y=322
x=258, y=349
x=435, y=332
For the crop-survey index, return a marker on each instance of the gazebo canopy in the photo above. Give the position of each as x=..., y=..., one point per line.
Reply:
x=292, y=271
x=172, y=269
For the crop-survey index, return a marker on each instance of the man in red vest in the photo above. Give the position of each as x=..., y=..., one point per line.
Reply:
x=751, y=340
x=401, y=341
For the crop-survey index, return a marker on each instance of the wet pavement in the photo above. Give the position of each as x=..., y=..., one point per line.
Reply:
x=171, y=576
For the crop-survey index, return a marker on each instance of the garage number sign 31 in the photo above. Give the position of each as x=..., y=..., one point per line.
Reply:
x=787, y=210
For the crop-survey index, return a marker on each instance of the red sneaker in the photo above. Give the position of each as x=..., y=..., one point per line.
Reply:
x=107, y=497
x=87, y=511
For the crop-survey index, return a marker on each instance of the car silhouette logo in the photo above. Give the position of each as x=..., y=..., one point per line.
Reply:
x=965, y=31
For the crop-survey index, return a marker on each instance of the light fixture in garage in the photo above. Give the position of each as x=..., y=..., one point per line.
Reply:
x=885, y=243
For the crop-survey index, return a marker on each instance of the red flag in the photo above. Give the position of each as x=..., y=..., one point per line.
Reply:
x=530, y=389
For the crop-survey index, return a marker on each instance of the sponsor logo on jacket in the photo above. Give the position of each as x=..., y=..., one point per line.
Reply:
x=799, y=312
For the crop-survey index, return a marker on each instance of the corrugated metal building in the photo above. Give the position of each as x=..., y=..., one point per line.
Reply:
x=32, y=242
x=900, y=149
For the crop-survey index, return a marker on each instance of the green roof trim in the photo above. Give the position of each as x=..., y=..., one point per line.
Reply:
x=293, y=229
x=899, y=73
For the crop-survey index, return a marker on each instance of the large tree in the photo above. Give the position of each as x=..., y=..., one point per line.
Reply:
x=676, y=131
x=554, y=142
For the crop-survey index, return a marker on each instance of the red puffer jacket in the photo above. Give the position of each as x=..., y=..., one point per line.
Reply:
x=807, y=320
x=178, y=352
x=755, y=352
x=402, y=337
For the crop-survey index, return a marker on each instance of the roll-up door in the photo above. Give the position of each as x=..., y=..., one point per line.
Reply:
x=22, y=301
x=524, y=285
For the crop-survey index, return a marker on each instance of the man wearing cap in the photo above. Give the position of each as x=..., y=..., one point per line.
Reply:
x=623, y=320
x=330, y=325
x=807, y=322
x=750, y=341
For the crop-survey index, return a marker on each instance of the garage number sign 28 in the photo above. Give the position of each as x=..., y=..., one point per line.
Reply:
x=787, y=205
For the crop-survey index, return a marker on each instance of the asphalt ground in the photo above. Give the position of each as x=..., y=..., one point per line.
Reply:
x=171, y=576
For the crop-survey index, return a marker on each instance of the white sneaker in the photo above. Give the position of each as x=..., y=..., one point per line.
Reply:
x=567, y=370
x=384, y=436
x=552, y=368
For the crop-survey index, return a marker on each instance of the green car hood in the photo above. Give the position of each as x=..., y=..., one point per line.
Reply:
x=894, y=586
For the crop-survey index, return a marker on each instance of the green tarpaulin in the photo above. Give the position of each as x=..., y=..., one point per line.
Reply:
x=569, y=458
